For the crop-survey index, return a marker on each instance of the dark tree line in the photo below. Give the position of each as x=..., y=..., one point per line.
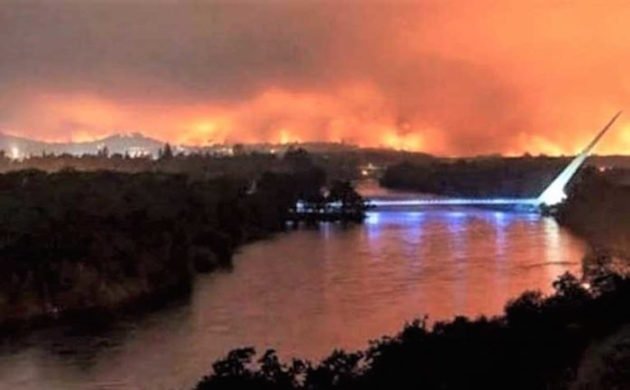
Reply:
x=598, y=209
x=73, y=241
x=491, y=177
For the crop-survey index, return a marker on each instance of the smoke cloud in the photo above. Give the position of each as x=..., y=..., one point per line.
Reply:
x=444, y=77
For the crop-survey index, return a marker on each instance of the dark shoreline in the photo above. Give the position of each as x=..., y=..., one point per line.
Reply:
x=598, y=211
x=97, y=316
x=91, y=246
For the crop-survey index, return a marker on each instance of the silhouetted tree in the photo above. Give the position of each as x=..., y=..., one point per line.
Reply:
x=352, y=204
x=103, y=152
x=238, y=149
x=298, y=158
x=166, y=153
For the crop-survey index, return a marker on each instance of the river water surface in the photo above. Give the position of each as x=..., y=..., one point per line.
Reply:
x=306, y=292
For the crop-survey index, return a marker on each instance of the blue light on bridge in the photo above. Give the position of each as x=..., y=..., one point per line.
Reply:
x=452, y=202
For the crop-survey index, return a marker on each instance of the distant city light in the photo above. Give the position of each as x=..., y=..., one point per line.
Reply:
x=368, y=169
x=14, y=153
x=136, y=152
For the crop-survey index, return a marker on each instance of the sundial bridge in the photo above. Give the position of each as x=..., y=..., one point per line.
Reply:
x=552, y=195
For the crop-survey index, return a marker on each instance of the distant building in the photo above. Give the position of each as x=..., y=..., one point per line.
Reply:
x=137, y=151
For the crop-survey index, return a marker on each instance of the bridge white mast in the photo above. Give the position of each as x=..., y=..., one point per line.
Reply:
x=554, y=193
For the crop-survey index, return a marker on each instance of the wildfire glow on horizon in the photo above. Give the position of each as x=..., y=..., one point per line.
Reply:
x=443, y=77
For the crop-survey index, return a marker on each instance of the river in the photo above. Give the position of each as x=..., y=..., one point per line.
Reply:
x=306, y=292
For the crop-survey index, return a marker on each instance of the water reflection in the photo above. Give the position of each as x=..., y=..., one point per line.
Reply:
x=307, y=292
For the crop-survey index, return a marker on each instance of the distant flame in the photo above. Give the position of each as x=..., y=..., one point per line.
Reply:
x=409, y=142
x=356, y=113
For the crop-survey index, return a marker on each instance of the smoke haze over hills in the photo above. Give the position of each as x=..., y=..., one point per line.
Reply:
x=443, y=77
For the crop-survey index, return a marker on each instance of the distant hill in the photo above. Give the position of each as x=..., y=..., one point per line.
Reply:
x=136, y=144
x=132, y=143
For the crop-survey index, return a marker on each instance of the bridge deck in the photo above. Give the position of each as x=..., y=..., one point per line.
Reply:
x=453, y=202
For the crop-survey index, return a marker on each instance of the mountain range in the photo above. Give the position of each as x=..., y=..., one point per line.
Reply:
x=131, y=143
x=136, y=144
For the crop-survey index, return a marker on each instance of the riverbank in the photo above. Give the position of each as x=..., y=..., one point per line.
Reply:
x=597, y=209
x=95, y=243
x=87, y=245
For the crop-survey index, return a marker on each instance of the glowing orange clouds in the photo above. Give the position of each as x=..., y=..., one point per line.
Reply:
x=356, y=115
x=447, y=77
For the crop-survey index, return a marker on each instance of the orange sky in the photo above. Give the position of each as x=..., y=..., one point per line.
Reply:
x=445, y=77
